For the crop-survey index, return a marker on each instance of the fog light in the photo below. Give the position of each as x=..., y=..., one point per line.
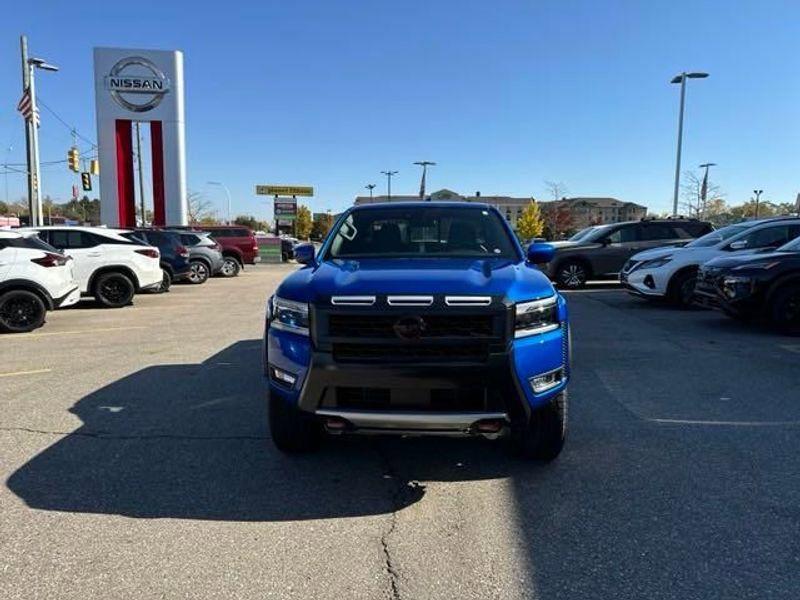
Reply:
x=650, y=282
x=547, y=381
x=282, y=377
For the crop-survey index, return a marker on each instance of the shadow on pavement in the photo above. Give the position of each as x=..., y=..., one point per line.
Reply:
x=190, y=441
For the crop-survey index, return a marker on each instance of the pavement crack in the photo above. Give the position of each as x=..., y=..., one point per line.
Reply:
x=110, y=436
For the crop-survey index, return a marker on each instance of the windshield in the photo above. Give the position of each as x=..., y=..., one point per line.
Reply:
x=791, y=246
x=581, y=234
x=422, y=233
x=715, y=237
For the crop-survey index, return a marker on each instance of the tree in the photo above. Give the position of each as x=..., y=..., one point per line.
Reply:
x=530, y=224
x=321, y=226
x=557, y=220
x=556, y=189
x=4, y=210
x=303, y=223
x=200, y=209
x=692, y=196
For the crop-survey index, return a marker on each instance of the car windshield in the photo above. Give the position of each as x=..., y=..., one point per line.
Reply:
x=582, y=234
x=720, y=235
x=791, y=246
x=422, y=233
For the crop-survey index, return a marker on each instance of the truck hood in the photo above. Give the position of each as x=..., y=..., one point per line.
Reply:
x=514, y=281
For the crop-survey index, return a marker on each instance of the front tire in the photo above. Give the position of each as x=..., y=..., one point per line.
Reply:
x=572, y=275
x=166, y=282
x=230, y=267
x=21, y=311
x=292, y=431
x=784, y=310
x=681, y=289
x=543, y=437
x=114, y=290
x=198, y=272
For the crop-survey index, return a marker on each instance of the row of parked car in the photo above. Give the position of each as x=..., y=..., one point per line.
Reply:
x=749, y=270
x=46, y=268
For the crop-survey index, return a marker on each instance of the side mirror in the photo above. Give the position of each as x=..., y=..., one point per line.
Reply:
x=304, y=253
x=539, y=253
x=738, y=245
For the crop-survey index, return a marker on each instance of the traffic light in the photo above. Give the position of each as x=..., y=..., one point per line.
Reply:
x=94, y=167
x=86, y=181
x=74, y=159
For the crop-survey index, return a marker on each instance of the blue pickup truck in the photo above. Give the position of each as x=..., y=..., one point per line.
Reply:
x=419, y=318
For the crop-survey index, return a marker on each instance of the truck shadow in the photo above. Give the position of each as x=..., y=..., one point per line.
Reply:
x=191, y=441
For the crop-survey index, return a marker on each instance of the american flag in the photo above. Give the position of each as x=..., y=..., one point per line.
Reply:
x=704, y=187
x=25, y=107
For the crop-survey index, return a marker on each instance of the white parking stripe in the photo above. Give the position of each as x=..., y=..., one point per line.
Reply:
x=28, y=336
x=32, y=372
x=726, y=423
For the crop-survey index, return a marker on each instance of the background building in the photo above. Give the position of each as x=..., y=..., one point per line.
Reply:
x=562, y=216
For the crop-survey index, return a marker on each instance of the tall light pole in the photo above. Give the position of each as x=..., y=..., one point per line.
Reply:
x=704, y=188
x=681, y=78
x=424, y=164
x=227, y=193
x=389, y=175
x=29, y=66
x=370, y=187
x=758, y=197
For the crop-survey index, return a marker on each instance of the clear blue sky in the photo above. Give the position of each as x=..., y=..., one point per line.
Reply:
x=503, y=95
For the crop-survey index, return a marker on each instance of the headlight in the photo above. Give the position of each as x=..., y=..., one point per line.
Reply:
x=655, y=263
x=536, y=316
x=288, y=315
x=761, y=265
x=736, y=287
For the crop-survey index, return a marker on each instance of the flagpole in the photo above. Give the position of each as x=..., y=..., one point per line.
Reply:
x=29, y=159
x=37, y=191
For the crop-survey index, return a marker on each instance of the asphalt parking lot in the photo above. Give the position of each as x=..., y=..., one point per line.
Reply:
x=136, y=464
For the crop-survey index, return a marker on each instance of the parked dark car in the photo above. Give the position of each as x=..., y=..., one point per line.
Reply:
x=174, y=255
x=239, y=246
x=600, y=251
x=287, y=248
x=763, y=285
x=205, y=255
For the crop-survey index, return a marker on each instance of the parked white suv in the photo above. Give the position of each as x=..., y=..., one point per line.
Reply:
x=671, y=272
x=108, y=266
x=34, y=278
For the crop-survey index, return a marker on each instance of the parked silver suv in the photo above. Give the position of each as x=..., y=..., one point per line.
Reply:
x=205, y=255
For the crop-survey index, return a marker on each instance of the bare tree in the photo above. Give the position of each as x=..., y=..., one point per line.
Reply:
x=692, y=196
x=556, y=189
x=199, y=207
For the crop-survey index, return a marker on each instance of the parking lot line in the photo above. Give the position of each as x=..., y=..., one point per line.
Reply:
x=31, y=372
x=726, y=423
x=74, y=332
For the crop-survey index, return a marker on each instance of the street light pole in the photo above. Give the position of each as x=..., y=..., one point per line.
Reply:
x=389, y=175
x=758, y=197
x=227, y=193
x=682, y=80
x=370, y=187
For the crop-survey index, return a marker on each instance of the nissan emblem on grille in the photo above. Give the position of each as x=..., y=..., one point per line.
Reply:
x=409, y=328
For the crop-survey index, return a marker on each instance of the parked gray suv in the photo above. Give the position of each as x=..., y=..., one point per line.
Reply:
x=600, y=251
x=205, y=255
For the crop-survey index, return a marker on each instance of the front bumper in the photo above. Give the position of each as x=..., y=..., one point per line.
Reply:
x=405, y=394
x=644, y=282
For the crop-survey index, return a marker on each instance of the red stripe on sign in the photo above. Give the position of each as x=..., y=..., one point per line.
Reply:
x=157, y=151
x=126, y=195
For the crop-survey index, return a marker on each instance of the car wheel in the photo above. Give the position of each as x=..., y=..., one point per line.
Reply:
x=230, y=267
x=571, y=274
x=166, y=283
x=21, y=311
x=681, y=289
x=785, y=309
x=291, y=430
x=198, y=272
x=113, y=290
x=544, y=435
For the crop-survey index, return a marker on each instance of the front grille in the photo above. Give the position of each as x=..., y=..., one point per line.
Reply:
x=433, y=326
x=343, y=352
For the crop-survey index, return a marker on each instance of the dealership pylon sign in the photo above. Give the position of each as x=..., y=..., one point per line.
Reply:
x=145, y=86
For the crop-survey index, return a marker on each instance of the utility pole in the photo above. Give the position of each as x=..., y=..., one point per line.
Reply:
x=370, y=187
x=29, y=125
x=141, y=175
x=389, y=175
x=424, y=164
x=758, y=197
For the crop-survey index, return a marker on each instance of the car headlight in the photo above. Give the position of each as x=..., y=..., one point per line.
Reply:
x=736, y=287
x=536, y=317
x=288, y=315
x=761, y=265
x=655, y=263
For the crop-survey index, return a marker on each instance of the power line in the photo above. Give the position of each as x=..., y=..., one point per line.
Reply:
x=64, y=123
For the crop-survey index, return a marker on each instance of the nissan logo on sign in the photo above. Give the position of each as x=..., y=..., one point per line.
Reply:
x=137, y=84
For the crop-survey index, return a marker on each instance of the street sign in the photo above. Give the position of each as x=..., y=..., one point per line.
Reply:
x=283, y=208
x=284, y=190
x=284, y=222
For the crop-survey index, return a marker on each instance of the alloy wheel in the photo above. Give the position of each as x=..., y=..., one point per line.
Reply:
x=572, y=275
x=19, y=313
